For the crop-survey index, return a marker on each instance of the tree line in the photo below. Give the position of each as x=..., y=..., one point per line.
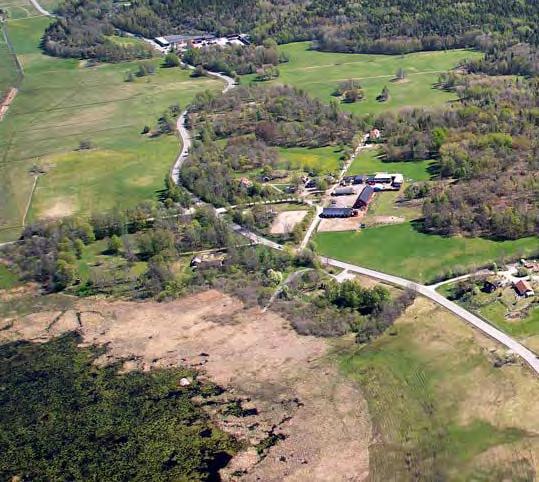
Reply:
x=389, y=27
x=487, y=143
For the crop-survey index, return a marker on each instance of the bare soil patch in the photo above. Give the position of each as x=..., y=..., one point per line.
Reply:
x=6, y=102
x=285, y=221
x=340, y=224
x=61, y=208
x=388, y=220
x=305, y=421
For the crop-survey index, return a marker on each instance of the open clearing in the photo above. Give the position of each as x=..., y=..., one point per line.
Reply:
x=19, y=9
x=297, y=391
x=60, y=103
x=440, y=410
x=401, y=250
x=319, y=159
x=369, y=162
x=319, y=74
x=285, y=221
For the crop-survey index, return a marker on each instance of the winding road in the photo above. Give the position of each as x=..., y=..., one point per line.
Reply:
x=40, y=9
x=184, y=133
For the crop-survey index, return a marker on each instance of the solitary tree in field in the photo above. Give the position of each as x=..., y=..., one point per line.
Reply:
x=172, y=60
x=384, y=95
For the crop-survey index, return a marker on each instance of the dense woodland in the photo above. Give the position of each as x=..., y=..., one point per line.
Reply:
x=253, y=120
x=390, y=26
x=64, y=418
x=487, y=145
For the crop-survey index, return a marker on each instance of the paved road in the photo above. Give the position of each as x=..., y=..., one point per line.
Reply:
x=430, y=293
x=40, y=9
x=184, y=133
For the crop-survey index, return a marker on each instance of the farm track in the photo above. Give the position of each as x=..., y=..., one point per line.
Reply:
x=427, y=291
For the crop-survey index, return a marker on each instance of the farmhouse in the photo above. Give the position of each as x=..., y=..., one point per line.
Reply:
x=523, y=288
x=364, y=198
x=338, y=213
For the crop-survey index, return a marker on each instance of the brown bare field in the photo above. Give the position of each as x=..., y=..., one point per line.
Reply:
x=318, y=416
x=340, y=224
x=286, y=221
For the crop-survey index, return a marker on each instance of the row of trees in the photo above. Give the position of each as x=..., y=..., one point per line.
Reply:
x=393, y=27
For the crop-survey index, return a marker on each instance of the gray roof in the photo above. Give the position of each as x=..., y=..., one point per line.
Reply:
x=366, y=195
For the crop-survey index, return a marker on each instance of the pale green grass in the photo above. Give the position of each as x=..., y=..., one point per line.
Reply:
x=319, y=73
x=8, y=279
x=401, y=250
x=19, y=9
x=62, y=102
x=428, y=383
x=321, y=159
x=369, y=161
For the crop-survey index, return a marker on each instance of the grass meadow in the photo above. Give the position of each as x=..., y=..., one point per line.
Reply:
x=369, y=161
x=402, y=250
x=319, y=73
x=430, y=386
x=62, y=102
x=321, y=159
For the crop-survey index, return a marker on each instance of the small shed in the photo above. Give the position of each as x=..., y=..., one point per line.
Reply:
x=523, y=288
x=208, y=261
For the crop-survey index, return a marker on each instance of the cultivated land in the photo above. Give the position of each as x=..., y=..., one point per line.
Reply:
x=62, y=102
x=369, y=162
x=403, y=251
x=319, y=73
x=440, y=410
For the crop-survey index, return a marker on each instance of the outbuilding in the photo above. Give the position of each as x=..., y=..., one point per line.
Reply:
x=343, y=191
x=364, y=198
x=523, y=288
x=338, y=213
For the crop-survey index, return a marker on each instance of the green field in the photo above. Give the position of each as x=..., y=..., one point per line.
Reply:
x=9, y=75
x=8, y=279
x=17, y=9
x=430, y=386
x=369, y=161
x=321, y=159
x=63, y=101
x=403, y=251
x=319, y=73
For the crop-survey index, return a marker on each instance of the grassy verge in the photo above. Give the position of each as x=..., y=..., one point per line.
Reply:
x=428, y=384
x=401, y=250
x=319, y=73
x=65, y=101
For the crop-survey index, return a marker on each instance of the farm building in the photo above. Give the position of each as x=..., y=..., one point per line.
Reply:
x=382, y=178
x=208, y=261
x=523, y=288
x=364, y=198
x=181, y=42
x=343, y=191
x=398, y=179
x=338, y=213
